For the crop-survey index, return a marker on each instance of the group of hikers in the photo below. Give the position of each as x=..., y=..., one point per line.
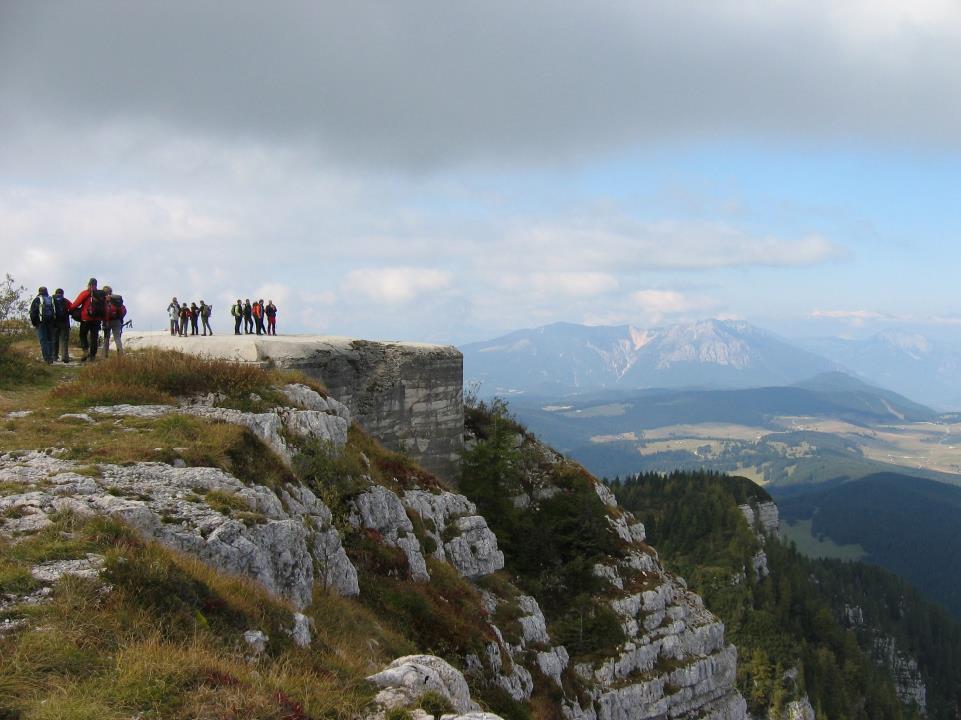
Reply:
x=252, y=315
x=181, y=315
x=96, y=309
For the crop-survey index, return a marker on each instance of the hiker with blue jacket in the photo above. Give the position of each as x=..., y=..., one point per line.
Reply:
x=43, y=317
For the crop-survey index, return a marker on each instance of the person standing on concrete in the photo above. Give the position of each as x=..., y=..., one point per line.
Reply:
x=194, y=318
x=237, y=311
x=258, y=313
x=184, y=319
x=248, y=317
x=271, y=312
x=61, y=343
x=91, y=306
x=173, y=312
x=113, y=321
x=43, y=318
x=205, y=311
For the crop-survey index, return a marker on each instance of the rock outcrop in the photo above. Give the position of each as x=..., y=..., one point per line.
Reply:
x=324, y=419
x=908, y=682
x=284, y=539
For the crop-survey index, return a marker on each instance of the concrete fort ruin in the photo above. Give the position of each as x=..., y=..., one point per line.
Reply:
x=409, y=396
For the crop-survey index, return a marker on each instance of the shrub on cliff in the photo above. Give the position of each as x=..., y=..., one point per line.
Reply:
x=552, y=544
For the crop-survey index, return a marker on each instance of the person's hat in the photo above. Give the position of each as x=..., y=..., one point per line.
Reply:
x=91, y=281
x=42, y=289
x=58, y=291
x=107, y=289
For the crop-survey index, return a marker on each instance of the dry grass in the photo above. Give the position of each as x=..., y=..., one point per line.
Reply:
x=166, y=640
x=159, y=376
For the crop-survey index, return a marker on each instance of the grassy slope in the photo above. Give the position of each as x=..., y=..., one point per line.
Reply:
x=165, y=641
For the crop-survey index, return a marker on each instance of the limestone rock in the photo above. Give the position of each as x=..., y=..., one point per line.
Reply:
x=798, y=710
x=280, y=547
x=382, y=510
x=422, y=673
x=762, y=516
x=256, y=640
x=305, y=398
x=300, y=633
x=473, y=550
x=533, y=624
x=51, y=572
x=553, y=662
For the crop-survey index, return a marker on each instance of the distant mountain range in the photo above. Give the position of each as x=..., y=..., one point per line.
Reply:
x=565, y=358
x=920, y=367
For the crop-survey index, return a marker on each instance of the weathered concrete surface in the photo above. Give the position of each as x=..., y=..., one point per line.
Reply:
x=407, y=395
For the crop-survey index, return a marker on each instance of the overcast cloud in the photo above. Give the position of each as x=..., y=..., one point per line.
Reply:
x=412, y=169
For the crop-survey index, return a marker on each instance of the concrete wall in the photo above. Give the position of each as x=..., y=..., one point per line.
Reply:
x=407, y=395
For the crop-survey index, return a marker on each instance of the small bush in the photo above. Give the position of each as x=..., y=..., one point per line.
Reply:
x=226, y=503
x=398, y=714
x=435, y=704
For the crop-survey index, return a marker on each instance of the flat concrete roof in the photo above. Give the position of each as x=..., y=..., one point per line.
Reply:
x=261, y=348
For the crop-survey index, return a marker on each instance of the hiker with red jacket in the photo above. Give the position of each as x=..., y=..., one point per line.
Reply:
x=258, y=312
x=113, y=320
x=90, y=307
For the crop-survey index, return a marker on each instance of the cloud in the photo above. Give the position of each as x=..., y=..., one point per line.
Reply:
x=394, y=285
x=557, y=284
x=857, y=315
x=429, y=83
x=629, y=244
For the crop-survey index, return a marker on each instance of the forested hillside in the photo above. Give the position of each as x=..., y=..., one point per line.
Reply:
x=907, y=524
x=813, y=627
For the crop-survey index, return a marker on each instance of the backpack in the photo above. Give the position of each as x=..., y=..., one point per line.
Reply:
x=118, y=311
x=97, y=308
x=48, y=313
x=60, y=307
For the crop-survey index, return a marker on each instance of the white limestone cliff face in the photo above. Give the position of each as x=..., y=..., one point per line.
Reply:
x=762, y=516
x=908, y=682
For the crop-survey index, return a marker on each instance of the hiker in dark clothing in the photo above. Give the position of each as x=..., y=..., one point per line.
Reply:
x=271, y=312
x=90, y=307
x=61, y=343
x=237, y=311
x=43, y=318
x=194, y=318
x=205, y=311
x=248, y=317
x=184, y=319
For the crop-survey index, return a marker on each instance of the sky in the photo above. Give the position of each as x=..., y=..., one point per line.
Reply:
x=448, y=172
